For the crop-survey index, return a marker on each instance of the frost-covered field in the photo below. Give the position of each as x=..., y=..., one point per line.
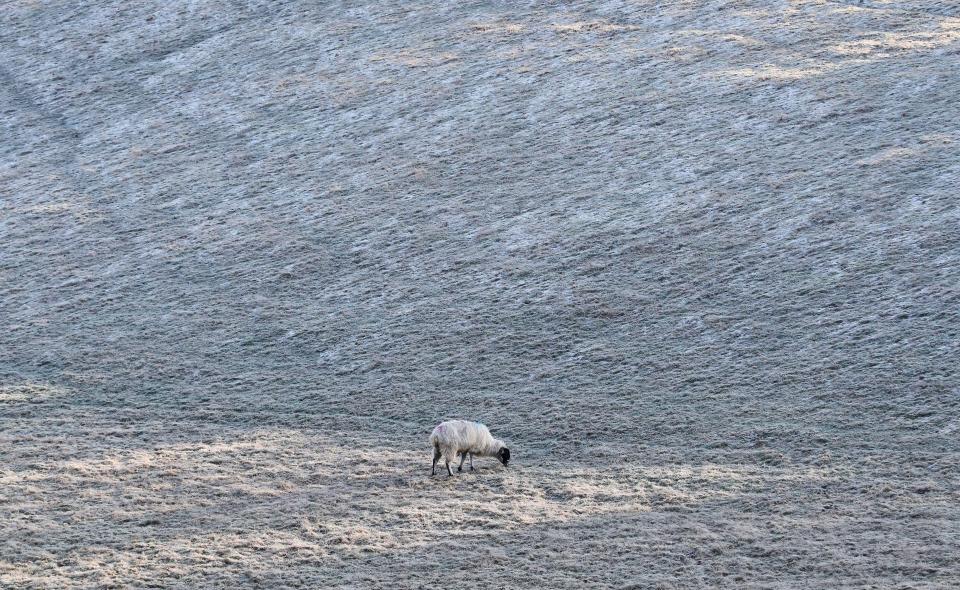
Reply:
x=697, y=262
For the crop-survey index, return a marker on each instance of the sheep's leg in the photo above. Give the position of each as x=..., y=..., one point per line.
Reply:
x=471, y=461
x=463, y=457
x=450, y=473
x=436, y=457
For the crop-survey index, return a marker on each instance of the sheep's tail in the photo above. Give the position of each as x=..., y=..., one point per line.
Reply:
x=435, y=437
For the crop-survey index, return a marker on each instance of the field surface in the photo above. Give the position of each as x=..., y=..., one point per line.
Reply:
x=697, y=262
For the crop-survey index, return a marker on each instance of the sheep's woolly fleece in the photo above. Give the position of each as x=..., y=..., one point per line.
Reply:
x=454, y=436
x=698, y=262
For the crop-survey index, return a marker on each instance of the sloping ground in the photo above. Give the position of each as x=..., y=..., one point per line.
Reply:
x=698, y=262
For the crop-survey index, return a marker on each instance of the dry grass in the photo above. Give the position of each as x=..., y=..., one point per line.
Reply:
x=138, y=497
x=696, y=261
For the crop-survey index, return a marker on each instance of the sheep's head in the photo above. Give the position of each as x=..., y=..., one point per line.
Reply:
x=503, y=455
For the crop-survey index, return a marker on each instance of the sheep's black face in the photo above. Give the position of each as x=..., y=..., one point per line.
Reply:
x=504, y=455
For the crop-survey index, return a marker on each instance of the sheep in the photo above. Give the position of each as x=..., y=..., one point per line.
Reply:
x=461, y=437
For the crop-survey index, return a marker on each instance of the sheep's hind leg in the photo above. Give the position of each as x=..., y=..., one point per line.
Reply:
x=450, y=473
x=471, y=461
x=436, y=457
x=463, y=457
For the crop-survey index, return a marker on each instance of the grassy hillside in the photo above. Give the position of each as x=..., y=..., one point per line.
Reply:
x=698, y=262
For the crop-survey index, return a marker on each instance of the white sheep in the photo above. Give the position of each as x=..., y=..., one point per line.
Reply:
x=460, y=437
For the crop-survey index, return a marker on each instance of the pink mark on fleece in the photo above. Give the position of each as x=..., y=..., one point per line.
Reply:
x=441, y=428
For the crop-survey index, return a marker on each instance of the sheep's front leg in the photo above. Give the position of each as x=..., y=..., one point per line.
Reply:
x=463, y=457
x=471, y=461
x=450, y=473
x=436, y=457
